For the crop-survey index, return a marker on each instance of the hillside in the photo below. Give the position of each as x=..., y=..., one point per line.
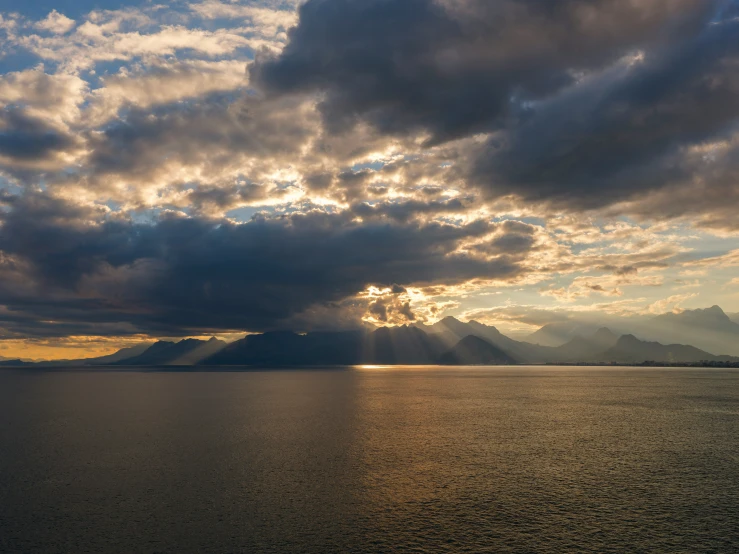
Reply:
x=185, y=352
x=473, y=350
x=709, y=329
x=629, y=349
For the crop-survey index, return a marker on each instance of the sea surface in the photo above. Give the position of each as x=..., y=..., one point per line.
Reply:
x=403, y=459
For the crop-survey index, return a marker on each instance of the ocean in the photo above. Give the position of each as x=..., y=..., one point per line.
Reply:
x=371, y=459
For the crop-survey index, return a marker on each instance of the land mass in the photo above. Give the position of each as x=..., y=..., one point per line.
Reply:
x=447, y=342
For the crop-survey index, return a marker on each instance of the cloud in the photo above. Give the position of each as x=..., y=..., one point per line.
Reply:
x=452, y=68
x=55, y=97
x=671, y=303
x=585, y=286
x=80, y=264
x=209, y=141
x=124, y=36
x=56, y=23
x=268, y=18
x=28, y=143
x=162, y=83
x=634, y=128
x=730, y=259
x=586, y=105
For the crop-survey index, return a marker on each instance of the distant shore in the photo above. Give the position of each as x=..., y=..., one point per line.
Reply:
x=719, y=364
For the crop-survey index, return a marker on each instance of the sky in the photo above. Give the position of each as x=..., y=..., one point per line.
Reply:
x=218, y=167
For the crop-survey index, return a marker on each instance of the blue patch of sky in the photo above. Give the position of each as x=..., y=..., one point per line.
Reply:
x=17, y=59
x=726, y=10
x=39, y=9
x=113, y=205
x=246, y=213
x=450, y=220
x=709, y=246
x=8, y=186
x=538, y=221
x=375, y=166
x=148, y=216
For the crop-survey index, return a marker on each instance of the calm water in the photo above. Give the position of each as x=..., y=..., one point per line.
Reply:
x=401, y=460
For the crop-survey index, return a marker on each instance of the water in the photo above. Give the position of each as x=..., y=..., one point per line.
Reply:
x=370, y=460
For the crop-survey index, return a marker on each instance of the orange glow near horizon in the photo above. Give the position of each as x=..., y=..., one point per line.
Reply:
x=82, y=347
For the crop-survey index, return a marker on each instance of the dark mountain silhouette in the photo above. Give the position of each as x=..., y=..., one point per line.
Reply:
x=629, y=349
x=287, y=348
x=109, y=359
x=449, y=330
x=401, y=345
x=122, y=354
x=184, y=352
x=473, y=350
x=389, y=345
x=10, y=362
x=448, y=341
x=154, y=355
x=194, y=355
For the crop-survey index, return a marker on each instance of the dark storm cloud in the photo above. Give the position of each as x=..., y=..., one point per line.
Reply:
x=625, y=131
x=26, y=139
x=514, y=238
x=76, y=265
x=588, y=103
x=457, y=67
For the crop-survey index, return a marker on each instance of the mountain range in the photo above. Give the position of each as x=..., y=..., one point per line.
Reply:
x=447, y=342
x=182, y=353
x=709, y=329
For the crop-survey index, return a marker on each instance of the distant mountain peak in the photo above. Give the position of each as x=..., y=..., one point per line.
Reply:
x=709, y=329
x=630, y=341
x=558, y=333
x=473, y=350
x=604, y=334
x=714, y=312
x=450, y=319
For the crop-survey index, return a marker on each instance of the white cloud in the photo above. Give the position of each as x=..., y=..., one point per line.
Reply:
x=54, y=97
x=56, y=23
x=161, y=84
x=265, y=18
x=671, y=304
x=91, y=44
